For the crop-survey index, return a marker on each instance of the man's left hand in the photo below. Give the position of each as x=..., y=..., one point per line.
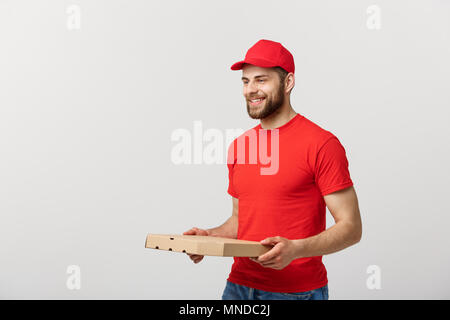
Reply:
x=279, y=256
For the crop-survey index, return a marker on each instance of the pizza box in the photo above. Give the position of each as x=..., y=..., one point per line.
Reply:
x=206, y=245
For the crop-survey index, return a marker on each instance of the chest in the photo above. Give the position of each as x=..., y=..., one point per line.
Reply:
x=286, y=174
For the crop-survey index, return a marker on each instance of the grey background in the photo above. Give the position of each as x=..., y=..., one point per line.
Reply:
x=86, y=118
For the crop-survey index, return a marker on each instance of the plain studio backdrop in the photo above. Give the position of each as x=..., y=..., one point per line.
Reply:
x=92, y=92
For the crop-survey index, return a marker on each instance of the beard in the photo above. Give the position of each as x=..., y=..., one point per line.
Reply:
x=270, y=105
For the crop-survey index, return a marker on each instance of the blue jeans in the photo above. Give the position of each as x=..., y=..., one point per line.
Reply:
x=238, y=292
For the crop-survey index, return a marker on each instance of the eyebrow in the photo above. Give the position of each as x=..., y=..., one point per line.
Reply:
x=256, y=77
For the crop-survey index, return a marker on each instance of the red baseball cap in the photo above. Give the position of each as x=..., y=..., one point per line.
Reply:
x=267, y=54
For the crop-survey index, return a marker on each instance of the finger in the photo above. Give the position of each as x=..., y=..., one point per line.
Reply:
x=271, y=254
x=191, y=231
x=267, y=265
x=271, y=266
x=272, y=262
x=271, y=240
x=198, y=260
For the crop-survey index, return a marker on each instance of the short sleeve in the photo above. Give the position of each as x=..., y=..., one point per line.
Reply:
x=331, y=169
x=231, y=161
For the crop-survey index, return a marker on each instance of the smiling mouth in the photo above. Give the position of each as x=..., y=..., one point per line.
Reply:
x=258, y=101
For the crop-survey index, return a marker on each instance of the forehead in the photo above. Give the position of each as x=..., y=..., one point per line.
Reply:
x=250, y=71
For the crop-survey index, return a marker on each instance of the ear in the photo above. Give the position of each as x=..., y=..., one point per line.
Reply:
x=289, y=82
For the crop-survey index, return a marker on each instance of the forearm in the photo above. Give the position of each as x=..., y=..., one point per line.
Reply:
x=340, y=236
x=227, y=230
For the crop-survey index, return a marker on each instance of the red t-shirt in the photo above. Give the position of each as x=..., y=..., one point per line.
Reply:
x=287, y=199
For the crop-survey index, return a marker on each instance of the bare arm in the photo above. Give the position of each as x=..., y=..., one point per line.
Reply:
x=347, y=230
x=230, y=227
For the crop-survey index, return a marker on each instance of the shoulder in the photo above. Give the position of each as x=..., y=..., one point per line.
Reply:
x=313, y=134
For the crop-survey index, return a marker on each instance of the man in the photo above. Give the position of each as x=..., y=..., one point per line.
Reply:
x=286, y=208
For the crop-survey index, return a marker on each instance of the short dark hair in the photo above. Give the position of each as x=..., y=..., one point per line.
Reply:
x=281, y=73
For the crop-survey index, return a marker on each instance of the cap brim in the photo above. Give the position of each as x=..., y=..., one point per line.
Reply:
x=237, y=65
x=257, y=62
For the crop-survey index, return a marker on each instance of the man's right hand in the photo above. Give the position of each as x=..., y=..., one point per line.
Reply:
x=196, y=258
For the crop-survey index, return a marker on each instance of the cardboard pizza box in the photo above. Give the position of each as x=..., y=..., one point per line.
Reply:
x=206, y=245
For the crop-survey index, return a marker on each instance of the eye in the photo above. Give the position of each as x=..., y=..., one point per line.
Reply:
x=260, y=80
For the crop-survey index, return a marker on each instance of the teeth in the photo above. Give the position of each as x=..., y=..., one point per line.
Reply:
x=256, y=100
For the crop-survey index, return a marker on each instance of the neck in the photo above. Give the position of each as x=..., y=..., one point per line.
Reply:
x=283, y=115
